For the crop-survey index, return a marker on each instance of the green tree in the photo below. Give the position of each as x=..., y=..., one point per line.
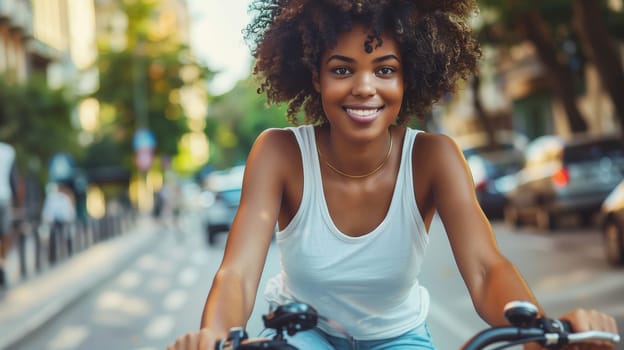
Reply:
x=235, y=119
x=141, y=83
x=36, y=120
x=546, y=24
x=600, y=46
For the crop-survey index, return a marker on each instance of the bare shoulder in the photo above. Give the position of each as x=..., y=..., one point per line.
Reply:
x=275, y=138
x=275, y=150
x=436, y=149
x=281, y=142
x=444, y=169
x=433, y=139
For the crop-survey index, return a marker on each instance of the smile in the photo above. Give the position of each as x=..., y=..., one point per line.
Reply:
x=363, y=114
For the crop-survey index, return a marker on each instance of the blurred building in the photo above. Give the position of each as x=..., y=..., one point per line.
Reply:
x=516, y=93
x=15, y=29
x=171, y=20
x=63, y=48
x=53, y=37
x=63, y=43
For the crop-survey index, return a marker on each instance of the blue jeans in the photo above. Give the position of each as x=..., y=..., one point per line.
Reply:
x=315, y=339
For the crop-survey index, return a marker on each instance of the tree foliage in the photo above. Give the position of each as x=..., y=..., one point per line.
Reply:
x=142, y=81
x=566, y=34
x=36, y=120
x=601, y=48
x=546, y=24
x=235, y=119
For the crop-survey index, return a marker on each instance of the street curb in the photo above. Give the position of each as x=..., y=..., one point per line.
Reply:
x=28, y=306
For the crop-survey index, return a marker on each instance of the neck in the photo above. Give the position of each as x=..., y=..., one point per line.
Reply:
x=354, y=160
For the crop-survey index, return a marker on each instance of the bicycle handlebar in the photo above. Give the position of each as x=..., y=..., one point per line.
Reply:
x=516, y=335
x=525, y=327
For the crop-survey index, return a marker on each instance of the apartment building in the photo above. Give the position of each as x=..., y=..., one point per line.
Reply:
x=15, y=31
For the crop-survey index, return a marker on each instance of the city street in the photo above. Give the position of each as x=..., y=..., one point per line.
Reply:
x=566, y=269
x=126, y=128
x=161, y=293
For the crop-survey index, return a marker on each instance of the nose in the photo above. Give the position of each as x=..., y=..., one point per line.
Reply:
x=363, y=85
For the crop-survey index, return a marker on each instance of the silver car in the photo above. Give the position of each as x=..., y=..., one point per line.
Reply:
x=219, y=201
x=563, y=176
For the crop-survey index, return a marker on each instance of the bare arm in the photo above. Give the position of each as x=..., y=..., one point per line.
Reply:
x=491, y=279
x=232, y=295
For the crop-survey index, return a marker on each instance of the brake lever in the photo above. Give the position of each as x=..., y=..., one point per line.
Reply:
x=234, y=339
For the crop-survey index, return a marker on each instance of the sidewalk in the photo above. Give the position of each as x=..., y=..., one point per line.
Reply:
x=30, y=304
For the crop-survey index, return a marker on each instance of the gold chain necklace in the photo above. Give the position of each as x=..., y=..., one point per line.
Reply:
x=340, y=172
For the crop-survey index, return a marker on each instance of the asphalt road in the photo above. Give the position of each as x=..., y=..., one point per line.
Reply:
x=565, y=269
x=161, y=293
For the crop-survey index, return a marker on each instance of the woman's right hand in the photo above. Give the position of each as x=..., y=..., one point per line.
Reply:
x=204, y=339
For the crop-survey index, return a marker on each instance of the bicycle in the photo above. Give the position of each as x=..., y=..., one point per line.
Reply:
x=525, y=327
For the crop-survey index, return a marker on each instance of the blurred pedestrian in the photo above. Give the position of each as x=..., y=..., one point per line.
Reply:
x=171, y=206
x=11, y=198
x=58, y=216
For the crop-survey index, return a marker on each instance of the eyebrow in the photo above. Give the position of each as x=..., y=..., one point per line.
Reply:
x=351, y=60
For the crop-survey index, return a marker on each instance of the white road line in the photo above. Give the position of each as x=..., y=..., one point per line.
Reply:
x=109, y=300
x=147, y=262
x=69, y=338
x=177, y=254
x=167, y=267
x=576, y=285
x=160, y=327
x=188, y=276
x=200, y=257
x=159, y=284
x=564, y=280
x=122, y=303
x=174, y=299
x=129, y=280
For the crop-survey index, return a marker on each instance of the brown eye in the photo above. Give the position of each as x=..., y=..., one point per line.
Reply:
x=341, y=71
x=385, y=71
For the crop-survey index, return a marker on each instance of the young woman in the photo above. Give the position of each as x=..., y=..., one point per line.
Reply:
x=353, y=190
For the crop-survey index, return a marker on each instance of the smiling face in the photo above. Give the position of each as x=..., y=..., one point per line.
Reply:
x=360, y=90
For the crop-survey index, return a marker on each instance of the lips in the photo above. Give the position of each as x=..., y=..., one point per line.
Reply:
x=363, y=114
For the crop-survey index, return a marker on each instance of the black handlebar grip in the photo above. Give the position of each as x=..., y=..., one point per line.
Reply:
x=554, y=326
x=567, y=326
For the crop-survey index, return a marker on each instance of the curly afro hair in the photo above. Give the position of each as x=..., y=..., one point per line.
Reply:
x=288, y=38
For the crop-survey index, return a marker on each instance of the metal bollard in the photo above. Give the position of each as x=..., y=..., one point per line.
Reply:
x=21, y=249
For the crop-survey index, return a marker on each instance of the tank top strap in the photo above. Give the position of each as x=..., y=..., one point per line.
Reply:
x=406, y=176
x=309, y=158
x=405, y=183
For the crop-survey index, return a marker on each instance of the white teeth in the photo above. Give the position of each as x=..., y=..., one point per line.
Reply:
x=362, y=112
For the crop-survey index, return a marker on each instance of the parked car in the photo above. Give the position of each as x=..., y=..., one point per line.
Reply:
x=492, y=167
x=219, y=202
x=612, y=222
x=492, y=172
x=565, y=176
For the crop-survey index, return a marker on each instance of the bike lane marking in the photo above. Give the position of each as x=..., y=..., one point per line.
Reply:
x=160, y=327
x=576, y=285
x=175, y=299
x=69, y=338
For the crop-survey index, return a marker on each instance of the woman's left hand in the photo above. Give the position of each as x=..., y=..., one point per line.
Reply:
x=585, y=320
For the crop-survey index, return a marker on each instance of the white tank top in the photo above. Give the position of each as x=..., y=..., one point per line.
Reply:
x=368, y=284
